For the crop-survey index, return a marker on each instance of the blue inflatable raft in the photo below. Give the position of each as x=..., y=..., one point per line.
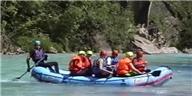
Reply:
x=156, y=77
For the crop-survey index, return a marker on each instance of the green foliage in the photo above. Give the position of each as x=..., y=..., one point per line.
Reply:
x=179, y=32
x=72, y=25
x=59, y=47
x=25, y=43
x=185, y=34
x=183, y=11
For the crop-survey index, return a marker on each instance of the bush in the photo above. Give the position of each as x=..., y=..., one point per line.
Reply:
x=25, y=43
x=59, y=47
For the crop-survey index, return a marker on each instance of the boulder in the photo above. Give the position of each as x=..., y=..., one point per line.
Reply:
x=63, y=52
x=145, y=44
x=52, y=50
x=189, y=51
x=150, y=47
x=169, y=50
x=19, y=51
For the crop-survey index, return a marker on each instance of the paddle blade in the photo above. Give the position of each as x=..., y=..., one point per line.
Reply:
x=148, y=70
x=19, y=76
x=14, y=79
x=156, y=73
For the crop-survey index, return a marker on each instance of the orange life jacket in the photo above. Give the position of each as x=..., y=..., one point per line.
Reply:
x=123, y=66
x=86, y=62
x=76, y=64
x=139, y=64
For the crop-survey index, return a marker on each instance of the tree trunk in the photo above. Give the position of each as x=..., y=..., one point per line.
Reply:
x=141, y=11
x=149, y=12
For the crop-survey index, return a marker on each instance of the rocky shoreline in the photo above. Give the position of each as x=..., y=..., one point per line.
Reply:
x=143, y=40
x=150, y=48
x=152, y=51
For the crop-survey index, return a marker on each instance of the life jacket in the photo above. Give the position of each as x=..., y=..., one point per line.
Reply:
x=139, y=64
x=37, y=54
x=96, y=68
x=123, y=66
x=76, y=64
x=114, y=60
x=90, y=63
x=86, y=62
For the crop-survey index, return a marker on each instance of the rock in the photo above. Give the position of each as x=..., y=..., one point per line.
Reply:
x=10, y=53
x=52, y=50
x=146, y=45
x=63, y=52
x=186, y=50
x=19, y=51
x=151, y=48
x=169, y=50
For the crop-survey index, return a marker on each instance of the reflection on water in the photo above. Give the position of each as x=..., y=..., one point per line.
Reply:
x=13, y=66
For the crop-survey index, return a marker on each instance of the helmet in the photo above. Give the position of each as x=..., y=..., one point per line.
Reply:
x=103, y=53
x=139, y=53
x=36, y=42
x=90, y=52
x=115, y=52
x=129, y=54
x=81, y=53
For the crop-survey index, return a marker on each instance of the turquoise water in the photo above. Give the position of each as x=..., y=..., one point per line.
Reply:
x=14, y=66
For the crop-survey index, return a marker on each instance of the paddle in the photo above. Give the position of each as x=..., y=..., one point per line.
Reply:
x=22, y=74
x=156, y=73
x=27, y=71
x=109, y=77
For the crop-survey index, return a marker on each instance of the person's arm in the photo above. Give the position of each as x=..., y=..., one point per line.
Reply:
x=134, y=69
x=101, y=67
x=107, y=71
x=100, y=62
x=45, y=55
x=145, y=63
x=133, y=61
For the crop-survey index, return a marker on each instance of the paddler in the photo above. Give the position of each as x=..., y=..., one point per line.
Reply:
x=139, y=62
x=125, y=66
x=38, y=55
x=79, y=65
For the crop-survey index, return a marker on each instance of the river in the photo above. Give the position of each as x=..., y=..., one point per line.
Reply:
x=14, y=65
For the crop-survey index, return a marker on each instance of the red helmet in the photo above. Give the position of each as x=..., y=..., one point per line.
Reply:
x=115, y=53
x=139, y=53
x=103, y=53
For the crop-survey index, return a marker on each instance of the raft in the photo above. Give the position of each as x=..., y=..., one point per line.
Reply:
x=156, y=77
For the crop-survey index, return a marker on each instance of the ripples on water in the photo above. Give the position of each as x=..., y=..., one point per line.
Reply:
x=13, y=66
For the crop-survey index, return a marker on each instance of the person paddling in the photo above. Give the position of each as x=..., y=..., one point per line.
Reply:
x=39, y=56
x=89, y=53
x=79, y=65
x=125, y=66
x=100, y=67
x=139, y=62
x=113, y=60
x=114, y=57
